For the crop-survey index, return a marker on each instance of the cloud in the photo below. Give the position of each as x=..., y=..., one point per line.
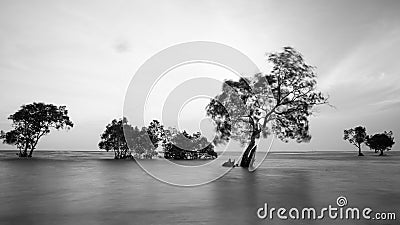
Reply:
x=373, y=62
x=122, y=47
x=387, y=104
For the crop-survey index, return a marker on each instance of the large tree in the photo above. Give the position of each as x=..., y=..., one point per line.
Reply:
x=356, y=136
x=278, y=102
x=33, y=121
x=381, y=142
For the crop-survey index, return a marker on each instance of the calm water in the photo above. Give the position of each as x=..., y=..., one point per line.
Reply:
x=90, y=188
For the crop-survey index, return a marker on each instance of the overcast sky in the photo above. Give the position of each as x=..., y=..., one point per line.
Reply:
x=83, y=54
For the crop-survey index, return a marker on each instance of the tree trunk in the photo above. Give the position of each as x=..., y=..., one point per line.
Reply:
x=25, y=152
x=381, y=153
x=31, y=152
x=249, y=152
x=359, y=151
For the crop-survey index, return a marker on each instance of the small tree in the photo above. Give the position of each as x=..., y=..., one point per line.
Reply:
x=381, y=142
x=176, y=144
x=279, y=102
x=143, y=141
x=141, y=144
x=33, y=121
x=113, y=139
x=156, y=132
x=356, y=136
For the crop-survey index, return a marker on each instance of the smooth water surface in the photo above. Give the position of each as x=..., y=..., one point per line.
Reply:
x=92, y=188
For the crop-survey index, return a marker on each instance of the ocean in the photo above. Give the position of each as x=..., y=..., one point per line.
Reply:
x=68, y=187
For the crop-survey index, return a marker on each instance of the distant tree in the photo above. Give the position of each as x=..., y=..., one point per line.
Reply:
x=356, y=136
x=33, y=121
x=2, y=134
x=113, y=139
x=144, y=141
x=156, y=132
x=381, y=142
x=140, y=143
x=285, y=97
x=177, y=145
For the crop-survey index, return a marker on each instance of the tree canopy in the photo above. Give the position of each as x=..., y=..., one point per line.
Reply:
x=381, y=142
x=127, y=141
x=176, y=144
x=113, y=139
x=33, y=121
x=156, y=132
x=139, y=142
x=278, y=102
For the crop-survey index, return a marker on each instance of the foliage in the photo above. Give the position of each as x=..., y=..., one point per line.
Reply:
x=156, y=132
x=279, y=102
x=178, y=145
x=139, y=141
x=33, y=121
x=381, y=142
x=113, y=139
x=14, y=137
x=356, y=136
x=127, y=141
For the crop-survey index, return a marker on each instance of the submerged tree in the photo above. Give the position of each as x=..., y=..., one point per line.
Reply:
x=279, y=102
x=33, y=121
x=113, y=139
x=143, y=141
x=177, y=144
x=381, y=142
x=140, y=143
x=356, y=136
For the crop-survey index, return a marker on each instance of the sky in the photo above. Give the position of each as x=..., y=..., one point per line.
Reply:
x=83, y=54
